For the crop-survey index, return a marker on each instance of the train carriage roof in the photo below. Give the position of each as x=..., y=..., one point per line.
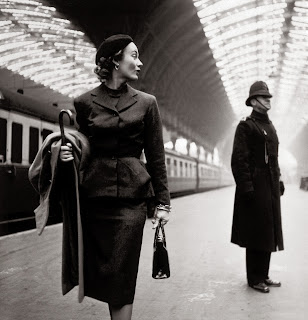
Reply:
x=17, y=102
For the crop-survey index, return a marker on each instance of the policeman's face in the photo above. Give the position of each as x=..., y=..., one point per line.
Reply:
x=261, y=104
x=129, y=66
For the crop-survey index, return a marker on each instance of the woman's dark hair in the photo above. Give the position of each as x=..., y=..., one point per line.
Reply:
x=104, y=68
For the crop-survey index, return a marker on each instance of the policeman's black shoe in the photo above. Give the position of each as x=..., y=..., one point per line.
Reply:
x=272, y=283
x=262, y=287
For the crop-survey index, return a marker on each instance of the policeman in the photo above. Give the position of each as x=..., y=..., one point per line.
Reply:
x=257, y=216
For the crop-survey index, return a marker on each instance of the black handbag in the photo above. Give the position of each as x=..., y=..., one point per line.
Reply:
x=161, y=268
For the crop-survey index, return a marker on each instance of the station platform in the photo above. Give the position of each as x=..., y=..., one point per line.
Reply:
x=208, y=279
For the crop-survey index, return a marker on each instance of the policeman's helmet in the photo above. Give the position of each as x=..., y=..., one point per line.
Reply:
x=259, y=88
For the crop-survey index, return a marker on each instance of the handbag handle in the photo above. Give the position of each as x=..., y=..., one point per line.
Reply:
x=158, y=228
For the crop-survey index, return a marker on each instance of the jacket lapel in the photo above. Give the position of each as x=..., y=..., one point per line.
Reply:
x=100, y=97
x=127, y=99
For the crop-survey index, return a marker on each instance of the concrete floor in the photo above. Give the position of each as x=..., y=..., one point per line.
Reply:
x=207, y=271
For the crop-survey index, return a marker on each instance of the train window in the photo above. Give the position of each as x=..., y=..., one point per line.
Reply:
x=168, y=166
x=33, y=143
x=45, y=133
x=16, y=146
x=181, y=169
x=3, y=136
x=175, y=168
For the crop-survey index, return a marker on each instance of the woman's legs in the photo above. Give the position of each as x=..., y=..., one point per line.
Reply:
x=121, y=312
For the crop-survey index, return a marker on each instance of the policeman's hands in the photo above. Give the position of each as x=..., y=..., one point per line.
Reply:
x=160, y=215
x=66, y=153
x=281, y=187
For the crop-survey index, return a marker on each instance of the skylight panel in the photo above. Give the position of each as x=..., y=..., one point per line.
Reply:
x=33, y=33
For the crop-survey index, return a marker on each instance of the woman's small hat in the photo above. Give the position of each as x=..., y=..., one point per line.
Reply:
x=112, y=45
x=259, y=88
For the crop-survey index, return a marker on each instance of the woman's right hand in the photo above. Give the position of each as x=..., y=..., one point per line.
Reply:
x=66, y=153
x=161, y=216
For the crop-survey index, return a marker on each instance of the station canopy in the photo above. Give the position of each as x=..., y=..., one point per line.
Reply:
x=40, y=44
x=262, y=40
x=246, y=40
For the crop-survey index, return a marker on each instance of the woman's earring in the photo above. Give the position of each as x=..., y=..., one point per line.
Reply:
x=116, y=67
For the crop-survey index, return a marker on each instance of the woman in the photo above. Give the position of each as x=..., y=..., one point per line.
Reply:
x=119, y=122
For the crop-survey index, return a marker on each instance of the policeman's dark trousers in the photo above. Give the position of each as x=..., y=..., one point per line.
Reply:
x=257, y=266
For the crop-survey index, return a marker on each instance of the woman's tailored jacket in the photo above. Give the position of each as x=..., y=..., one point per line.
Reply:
x=257, y=215
x=118, y=131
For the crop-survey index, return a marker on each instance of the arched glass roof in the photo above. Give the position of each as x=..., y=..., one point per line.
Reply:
x=38, y=43
x=249, y=39
x=261, y=40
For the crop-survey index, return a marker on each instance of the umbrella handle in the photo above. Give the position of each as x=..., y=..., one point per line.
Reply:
x=70, y=115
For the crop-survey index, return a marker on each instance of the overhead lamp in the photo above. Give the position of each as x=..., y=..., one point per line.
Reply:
x=298, y=24
x=10, y=46
x=8, y=35
x=300, y=10
x=198, y=3
x=27, y=2
x=302, y=4
x=61, y=20
x=26, y=12
x=220, y=6
x=235, y=18
x=5, y=23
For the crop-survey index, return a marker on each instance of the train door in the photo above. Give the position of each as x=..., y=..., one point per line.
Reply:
x=197, y=174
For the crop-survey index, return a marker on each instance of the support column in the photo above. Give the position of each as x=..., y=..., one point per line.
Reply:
x=173, y=137
x=188, y=146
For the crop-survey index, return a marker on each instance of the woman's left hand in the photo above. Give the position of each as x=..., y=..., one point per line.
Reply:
x=160, y=215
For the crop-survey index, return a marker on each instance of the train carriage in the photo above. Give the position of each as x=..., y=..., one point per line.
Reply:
x=22, y=132
x=181, y=171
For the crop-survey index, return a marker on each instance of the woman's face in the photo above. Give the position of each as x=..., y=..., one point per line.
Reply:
x=129, y=66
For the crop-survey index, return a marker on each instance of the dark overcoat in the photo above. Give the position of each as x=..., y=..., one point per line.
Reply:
x=46, y=175
x=118, y=131
x=257, y=219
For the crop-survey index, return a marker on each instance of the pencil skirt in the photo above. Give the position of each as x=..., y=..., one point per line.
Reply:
x=113, y=230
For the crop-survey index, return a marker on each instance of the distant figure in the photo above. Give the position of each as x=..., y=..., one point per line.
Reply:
x=119, y=122
x=257, y=216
